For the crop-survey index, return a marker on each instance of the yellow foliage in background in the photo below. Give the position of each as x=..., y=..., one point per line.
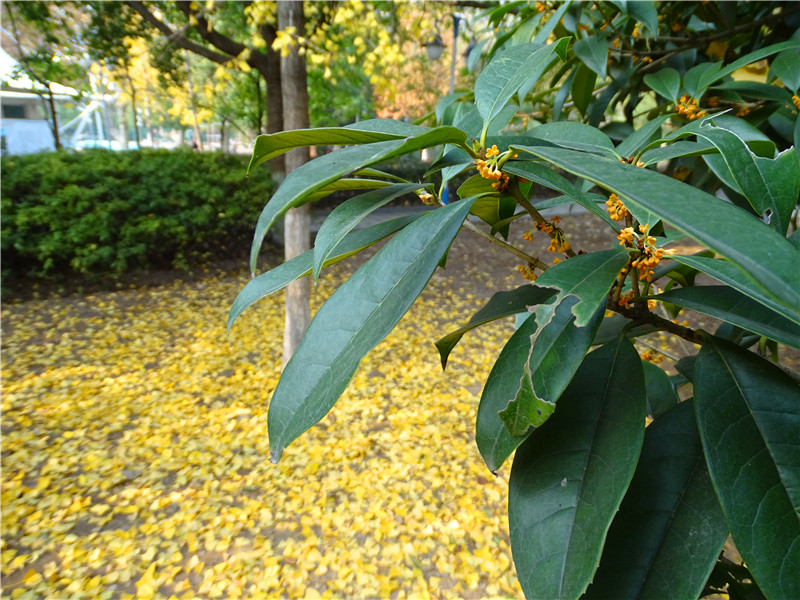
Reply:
x=135, y=455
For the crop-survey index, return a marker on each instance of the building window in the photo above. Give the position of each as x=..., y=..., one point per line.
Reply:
x=13, y=111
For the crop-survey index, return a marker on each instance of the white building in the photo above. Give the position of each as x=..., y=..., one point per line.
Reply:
x=24, y=128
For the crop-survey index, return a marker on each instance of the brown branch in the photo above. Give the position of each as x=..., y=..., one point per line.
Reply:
x=178, y=39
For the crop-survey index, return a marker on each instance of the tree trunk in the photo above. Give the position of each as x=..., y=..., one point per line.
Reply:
x=270, y=68
x=297, y=224
x=54, y=124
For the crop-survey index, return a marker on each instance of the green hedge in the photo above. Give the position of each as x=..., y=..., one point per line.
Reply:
x=99, y=214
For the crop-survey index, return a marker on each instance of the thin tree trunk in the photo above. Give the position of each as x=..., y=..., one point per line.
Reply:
x=272, y=77
x=54, y=125
x=297, y=224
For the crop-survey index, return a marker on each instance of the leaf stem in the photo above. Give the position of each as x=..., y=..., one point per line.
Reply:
x=515, y=251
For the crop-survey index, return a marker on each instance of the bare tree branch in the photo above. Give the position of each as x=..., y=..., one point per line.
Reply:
x=180, y=40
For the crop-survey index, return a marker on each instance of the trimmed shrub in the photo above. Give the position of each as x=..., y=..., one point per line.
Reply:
x=99, y=214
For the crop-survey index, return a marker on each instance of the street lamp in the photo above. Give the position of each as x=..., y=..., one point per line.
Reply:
x=435, y=47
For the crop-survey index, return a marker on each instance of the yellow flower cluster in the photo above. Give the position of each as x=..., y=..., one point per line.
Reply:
x=527, y=271
x=650, y=254
x=616, y=209
x=427, y=198
x=491, y=170
x=558, y=243
x=652, y=356
x=796, y=102
x=687, y=107
x=625, y=299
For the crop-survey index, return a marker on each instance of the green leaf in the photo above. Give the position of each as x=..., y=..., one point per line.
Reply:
x=729, y=273
x=356, y=318
x=734, y=307
x=493, y=210
x=645, y=13
x=551, y=347
x=593, y=51
x=278, y=278
x=365, y=132
x=505, y=74
x=666, y=82
x=551, y=363
x=525, y=410
x=675, y=150
x=670, y=529
x=748, y=414
x=582, y=88
x=350, y=213
x=786, y=67
x=551, y=23
x=771, y=264
x=588, y=277
x=771, y=186
x=661, y=394
x=326, y=169
x=544, y=175
x=639, y=139
x=756, y=56
x=577, y=136
x=699, y=77
x=344, y=184
x=501, y=304
x=569, y=477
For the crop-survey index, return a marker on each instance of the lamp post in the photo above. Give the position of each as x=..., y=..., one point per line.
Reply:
x=434, y=49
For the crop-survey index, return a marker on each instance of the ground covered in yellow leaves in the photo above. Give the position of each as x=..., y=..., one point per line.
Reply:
x=135, y=453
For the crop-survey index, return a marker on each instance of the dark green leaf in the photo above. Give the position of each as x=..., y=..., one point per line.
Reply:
x=640, y=138
x=771, y=264
x=786, y=67
x=666, y=82
x=699, y=77
x=577, y=136
x=588, y=277
x=569, y=477
x=365, y=132
x=734, y=307
x=354, y=319
x=582, y=88
x=676, y=150
x=593, y=51
x=544, y=175
x=645, y=13
x=348, y=184
x=501, y=304
x=278, y=278
x=661, y=395
x=670, y=529
x=552, y=347
x=549, y=369
x=748, y=414
x=328, y=168
x=505, y=74
x=347, y=215
x=756, y=56
x=729, y=273
x=771, y=186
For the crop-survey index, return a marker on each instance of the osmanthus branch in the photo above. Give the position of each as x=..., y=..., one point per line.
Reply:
x=640, y=315
x=506, y=246
x=520, y=198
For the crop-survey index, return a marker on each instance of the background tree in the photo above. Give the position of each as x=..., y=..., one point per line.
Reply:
x=45, y=43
